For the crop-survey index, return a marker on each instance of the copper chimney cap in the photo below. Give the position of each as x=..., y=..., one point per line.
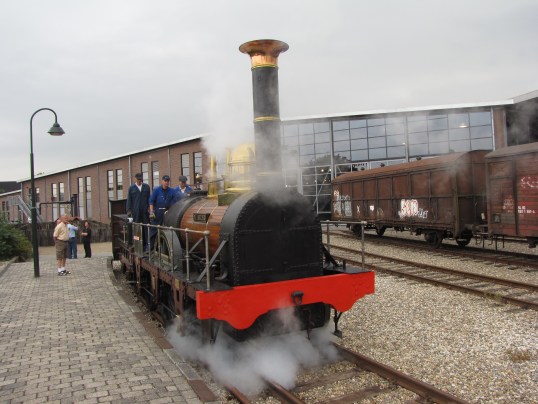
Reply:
x=264, y=52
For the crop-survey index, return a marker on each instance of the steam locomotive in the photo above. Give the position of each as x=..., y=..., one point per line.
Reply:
x=460, y=196
x=248, y=259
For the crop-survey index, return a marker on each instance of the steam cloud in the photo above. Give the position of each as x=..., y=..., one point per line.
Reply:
x=244, y=364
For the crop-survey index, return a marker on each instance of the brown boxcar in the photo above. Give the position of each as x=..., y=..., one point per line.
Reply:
x=512, y=174
x=440, y=197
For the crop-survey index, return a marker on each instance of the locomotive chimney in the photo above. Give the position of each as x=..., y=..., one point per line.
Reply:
x=264, y=58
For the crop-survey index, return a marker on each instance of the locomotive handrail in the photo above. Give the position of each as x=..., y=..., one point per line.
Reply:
x=187, y=255
x=212, y=261
x=363, y=224
x=188, y=250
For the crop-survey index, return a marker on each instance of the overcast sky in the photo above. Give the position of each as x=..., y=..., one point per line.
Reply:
x=123, y=75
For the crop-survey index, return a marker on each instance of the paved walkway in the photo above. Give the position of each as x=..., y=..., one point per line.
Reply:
x=73, y=338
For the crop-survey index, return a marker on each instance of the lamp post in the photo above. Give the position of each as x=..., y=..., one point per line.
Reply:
x=55, y=130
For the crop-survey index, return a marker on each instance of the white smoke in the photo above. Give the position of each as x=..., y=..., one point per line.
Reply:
x=229, y=114
x=523, y=120
x=244, y=365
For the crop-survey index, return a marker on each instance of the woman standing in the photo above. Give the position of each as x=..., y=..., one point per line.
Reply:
x=87, y=239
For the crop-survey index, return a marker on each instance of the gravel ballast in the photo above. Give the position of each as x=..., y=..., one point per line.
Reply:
x=474, y=348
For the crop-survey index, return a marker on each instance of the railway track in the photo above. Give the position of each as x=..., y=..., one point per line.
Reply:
x=504, y=257
x=386, y=382
x=504, y=290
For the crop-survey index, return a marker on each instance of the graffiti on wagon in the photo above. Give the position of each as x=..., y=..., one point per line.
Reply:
x=342, y=204
x=410, y=208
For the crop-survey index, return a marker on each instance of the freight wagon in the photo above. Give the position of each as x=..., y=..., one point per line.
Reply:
x=512, y=185
x=440, y=197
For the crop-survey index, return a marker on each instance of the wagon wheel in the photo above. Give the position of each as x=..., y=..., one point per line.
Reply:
x=380, y=230
x=433, y=238
x=356, y=229
x=463, y=241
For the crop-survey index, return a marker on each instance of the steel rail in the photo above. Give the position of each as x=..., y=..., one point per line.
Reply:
x=497, y=256
x=501, y=281
x=421, y=388
x=283, y=394
x=239, y=396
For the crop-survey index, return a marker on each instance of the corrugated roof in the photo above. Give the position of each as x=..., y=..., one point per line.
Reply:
x=514, y=150
x=402, y=110
x=119, y=156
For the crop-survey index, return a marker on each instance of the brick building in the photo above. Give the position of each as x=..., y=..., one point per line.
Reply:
x=87, y=189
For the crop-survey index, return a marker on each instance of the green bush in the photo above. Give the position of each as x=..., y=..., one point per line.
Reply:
x=13, y=243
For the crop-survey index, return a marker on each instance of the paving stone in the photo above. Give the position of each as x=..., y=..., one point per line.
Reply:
x=74, y=339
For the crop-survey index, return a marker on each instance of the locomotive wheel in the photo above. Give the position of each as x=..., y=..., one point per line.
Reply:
x=210, y=329
x=463, y=241
x=433, y=238
x=380, y=230
x=170, y=245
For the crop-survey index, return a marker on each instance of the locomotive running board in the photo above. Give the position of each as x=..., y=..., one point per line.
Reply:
x=242, y=305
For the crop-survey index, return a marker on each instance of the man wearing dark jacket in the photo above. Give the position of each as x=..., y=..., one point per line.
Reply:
x=138, y=203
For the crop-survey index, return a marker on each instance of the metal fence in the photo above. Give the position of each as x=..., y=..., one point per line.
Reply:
x=100, y=232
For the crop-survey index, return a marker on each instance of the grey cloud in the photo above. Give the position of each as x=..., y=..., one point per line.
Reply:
x=129, y=74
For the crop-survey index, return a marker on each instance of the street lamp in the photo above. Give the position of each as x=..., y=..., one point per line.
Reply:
x=55, y=130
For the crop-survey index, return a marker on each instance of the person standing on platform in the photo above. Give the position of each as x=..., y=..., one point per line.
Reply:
x=61, y=238
x=72, y=244
x=183, y=187
x=86, y=234
x=160, y=200
x=138, y=204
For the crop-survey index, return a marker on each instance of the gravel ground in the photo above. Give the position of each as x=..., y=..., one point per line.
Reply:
x=476, y=349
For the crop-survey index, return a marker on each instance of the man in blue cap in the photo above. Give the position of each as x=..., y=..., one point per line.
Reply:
x=183, y=187
x=160, y=200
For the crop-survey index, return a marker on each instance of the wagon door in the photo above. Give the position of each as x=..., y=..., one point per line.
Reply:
x=526, y=196
x=501, y=198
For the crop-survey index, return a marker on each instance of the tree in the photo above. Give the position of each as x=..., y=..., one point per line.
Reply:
x=13, y=242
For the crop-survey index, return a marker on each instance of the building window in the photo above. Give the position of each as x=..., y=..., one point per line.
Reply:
x=110, y=184
x=198, y=171
x=61, y=197
x=54, y=198
x=186, y=166
x=5, y=211
x=155, y=173
x=80, y=186
x=89, y=197
x=144, y=169
x=119, y=183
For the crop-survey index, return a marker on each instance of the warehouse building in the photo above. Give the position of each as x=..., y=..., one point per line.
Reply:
x=317, y=149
